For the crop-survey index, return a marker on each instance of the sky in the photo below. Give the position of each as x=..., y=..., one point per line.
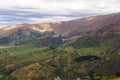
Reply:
x=42, y=11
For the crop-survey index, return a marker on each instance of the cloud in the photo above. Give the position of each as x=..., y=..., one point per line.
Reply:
x=21, y=11
x=51, y=18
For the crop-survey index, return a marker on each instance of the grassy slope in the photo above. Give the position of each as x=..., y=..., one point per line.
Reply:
x=60, y=59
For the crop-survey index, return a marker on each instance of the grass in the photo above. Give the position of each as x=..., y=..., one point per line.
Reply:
x=42, y=54
x=31, y=56
x=89, y=50
x=86, y=51
x=23, y=54
x=1, y=76
x=32, y=71
x=26, y=55
x=116, y=57
x=109, y=77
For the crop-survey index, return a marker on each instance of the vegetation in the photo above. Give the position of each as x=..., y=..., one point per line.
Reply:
x=94, y=55
x=43, y=63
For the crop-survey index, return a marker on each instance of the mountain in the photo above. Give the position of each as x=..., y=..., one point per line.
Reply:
x=85, y=49
x=109, y=34
x=24, y=32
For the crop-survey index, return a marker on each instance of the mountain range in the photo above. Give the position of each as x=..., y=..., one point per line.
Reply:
x=78, y=27
x=86, y=49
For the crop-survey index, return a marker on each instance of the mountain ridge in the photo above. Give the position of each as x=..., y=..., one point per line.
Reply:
x=70, y=28
x=81, y=22
x=85, y=49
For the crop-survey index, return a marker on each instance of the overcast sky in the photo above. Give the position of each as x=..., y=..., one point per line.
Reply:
x=40, y=11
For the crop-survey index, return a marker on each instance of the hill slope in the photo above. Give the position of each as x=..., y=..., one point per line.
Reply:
x=25, y=32
x=52, y=51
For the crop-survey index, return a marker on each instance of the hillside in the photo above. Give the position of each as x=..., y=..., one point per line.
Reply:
x=25, y=32
x=109, y=35
x=85, y=49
